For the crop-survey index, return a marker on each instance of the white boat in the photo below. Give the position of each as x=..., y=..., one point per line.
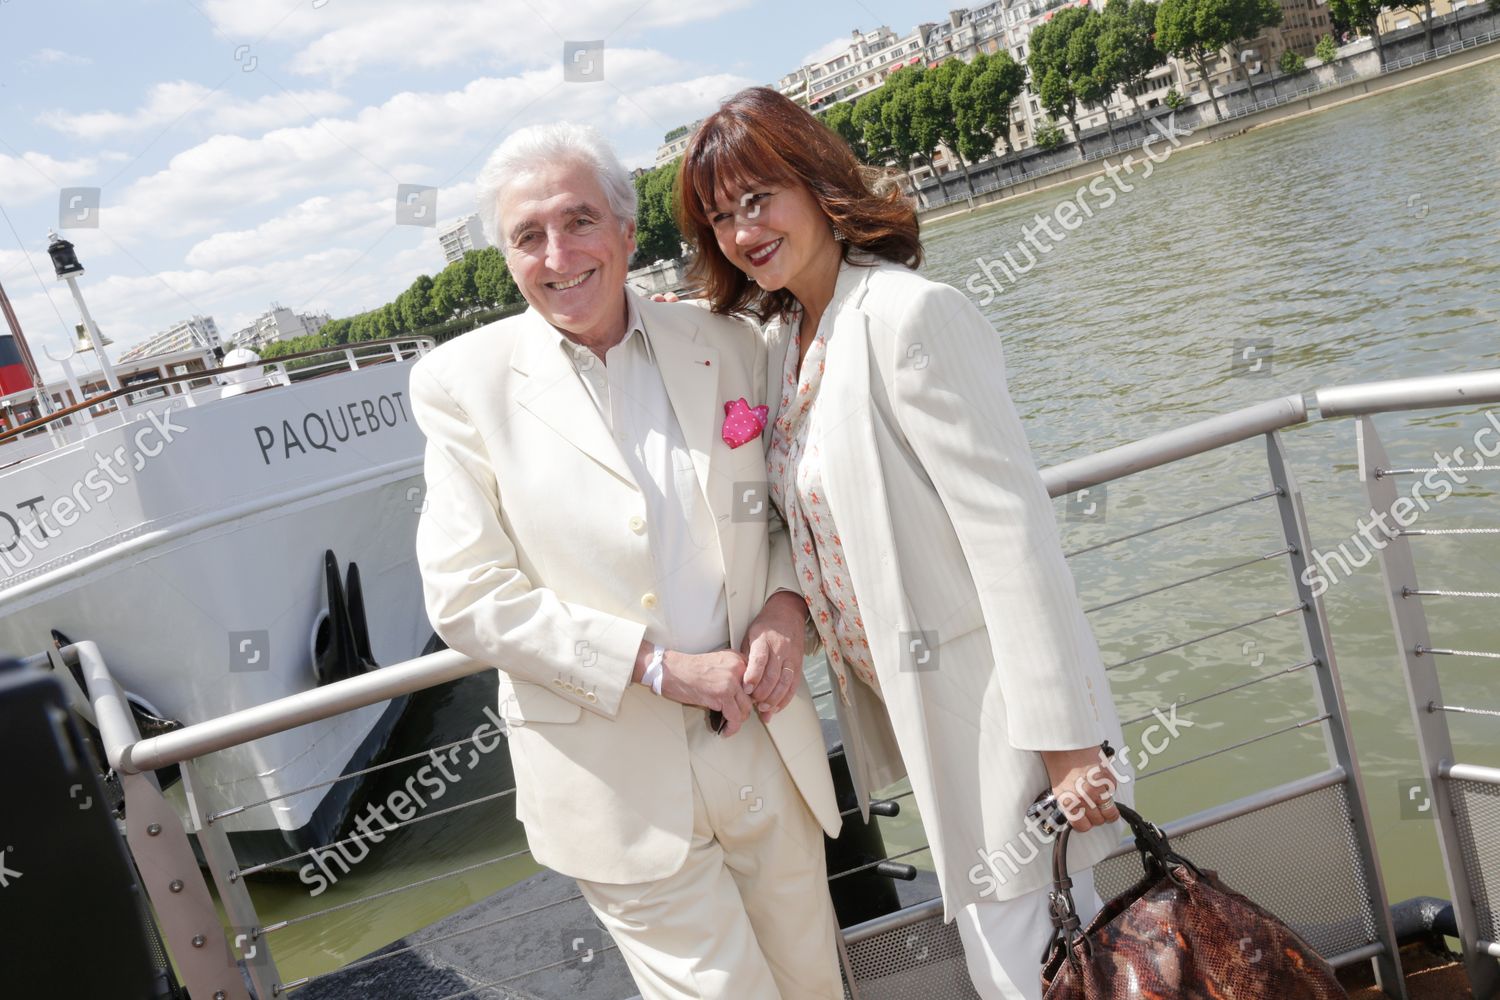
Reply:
x=198, y=524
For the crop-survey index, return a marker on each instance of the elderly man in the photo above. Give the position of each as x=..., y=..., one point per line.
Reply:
x=595, y=530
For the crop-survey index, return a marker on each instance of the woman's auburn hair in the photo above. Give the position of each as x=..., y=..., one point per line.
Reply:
x=760, y=137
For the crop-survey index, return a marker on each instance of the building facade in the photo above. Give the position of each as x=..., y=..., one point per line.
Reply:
x=194, y=332
x=462, y=236
x=278, y=323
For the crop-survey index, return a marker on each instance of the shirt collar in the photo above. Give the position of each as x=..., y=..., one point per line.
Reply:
x=634, y=326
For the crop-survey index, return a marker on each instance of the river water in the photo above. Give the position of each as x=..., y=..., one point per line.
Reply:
x=1354, y=245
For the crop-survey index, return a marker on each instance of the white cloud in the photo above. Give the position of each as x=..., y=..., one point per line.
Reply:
x=168, y=103
x=827, y=50
x=56, y=57
x=343, y=38
x=438, y=138
x=32, y=175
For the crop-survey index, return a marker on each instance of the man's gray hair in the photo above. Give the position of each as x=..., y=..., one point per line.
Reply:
x=538, y=146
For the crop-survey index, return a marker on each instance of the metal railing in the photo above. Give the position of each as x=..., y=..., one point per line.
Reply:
x=1233, y=836
x=1465, y=798
x=114, y=408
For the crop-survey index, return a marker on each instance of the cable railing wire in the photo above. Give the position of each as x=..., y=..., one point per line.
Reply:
x=1181, y=520
x=1236, y=746
x=1434, y=651
x=1210, y=635
x=1414, y=592
x=352, y=774
x=1288, y=550
x=256, y=869
x=304, y=917
x=1233, y=687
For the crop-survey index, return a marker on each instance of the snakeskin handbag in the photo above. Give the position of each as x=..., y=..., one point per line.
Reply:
x=1177, y=934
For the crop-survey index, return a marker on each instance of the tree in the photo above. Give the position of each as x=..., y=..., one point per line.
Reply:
x=982, y=96
x=1049, y=135
x=1193, y=30
x=1327, y=49
x=453, y=290
x=1093, y=82
x=1422, y=10
x=656, y=234
x=865, y=118
x=939, y=117
x=416, y=305
x=493, y=283
x=1360, y=14
x=1127, y=45
x=1054, y=73
x=1246, y=20
x=1291, y=63
x=336, y=331
x=898, y=120
x=840, y=121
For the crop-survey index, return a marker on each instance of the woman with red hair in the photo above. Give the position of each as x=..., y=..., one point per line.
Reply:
x=925, y=542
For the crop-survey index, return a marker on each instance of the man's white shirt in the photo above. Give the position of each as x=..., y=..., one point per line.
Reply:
x=632, y=399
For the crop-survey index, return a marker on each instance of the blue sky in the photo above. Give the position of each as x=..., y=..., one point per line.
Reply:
x=248, y=151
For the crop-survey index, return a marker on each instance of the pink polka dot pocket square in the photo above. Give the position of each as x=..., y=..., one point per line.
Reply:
x=743, y=422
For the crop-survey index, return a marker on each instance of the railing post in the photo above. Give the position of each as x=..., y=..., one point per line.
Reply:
x=158, y=843
x=1318, y=642
x=349, y=356
x=178, y=893
x=1399, y=570
x=245, y=926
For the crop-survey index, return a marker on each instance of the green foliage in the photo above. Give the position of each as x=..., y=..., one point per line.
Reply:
x=493, y=284
x=676, y=133
x=1173, y=98
x=840, y=121
x=656, y=234
x=1064, y=64
x=453, y=291
x=1328, y=49
x=982, y=96
x=1291, y=63
x=1127, y=44
x=1049, y=134
x=415, y=304
x=1358, y=13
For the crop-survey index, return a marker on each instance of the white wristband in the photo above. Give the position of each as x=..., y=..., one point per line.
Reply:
x=653, y=673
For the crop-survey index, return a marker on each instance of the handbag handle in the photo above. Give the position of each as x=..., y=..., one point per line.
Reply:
x=1156, y=852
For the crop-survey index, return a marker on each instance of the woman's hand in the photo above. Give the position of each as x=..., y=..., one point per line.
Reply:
x=664, y=297
x=1084, y=786
x=773, y=650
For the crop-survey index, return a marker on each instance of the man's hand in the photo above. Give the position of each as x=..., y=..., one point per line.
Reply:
x=1084, y=786
x=710, y=680
x=773, y=653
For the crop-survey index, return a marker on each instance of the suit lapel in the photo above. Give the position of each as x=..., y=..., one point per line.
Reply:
x=554, y=394
x=690, y=370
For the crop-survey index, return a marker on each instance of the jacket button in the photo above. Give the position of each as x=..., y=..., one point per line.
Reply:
x=591, y=697
x=637, y=524
x=648, y=601
x=557, y=682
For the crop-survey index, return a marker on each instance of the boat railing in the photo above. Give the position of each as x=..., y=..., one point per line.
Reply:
x=117, y=407
x=1294, y=832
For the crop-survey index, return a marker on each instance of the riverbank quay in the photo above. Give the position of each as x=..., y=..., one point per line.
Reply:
x=1190, y=126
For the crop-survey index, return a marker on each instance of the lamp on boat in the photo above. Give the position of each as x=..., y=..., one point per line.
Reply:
x=65, y=263
x=64, y=259
x=83, y=343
